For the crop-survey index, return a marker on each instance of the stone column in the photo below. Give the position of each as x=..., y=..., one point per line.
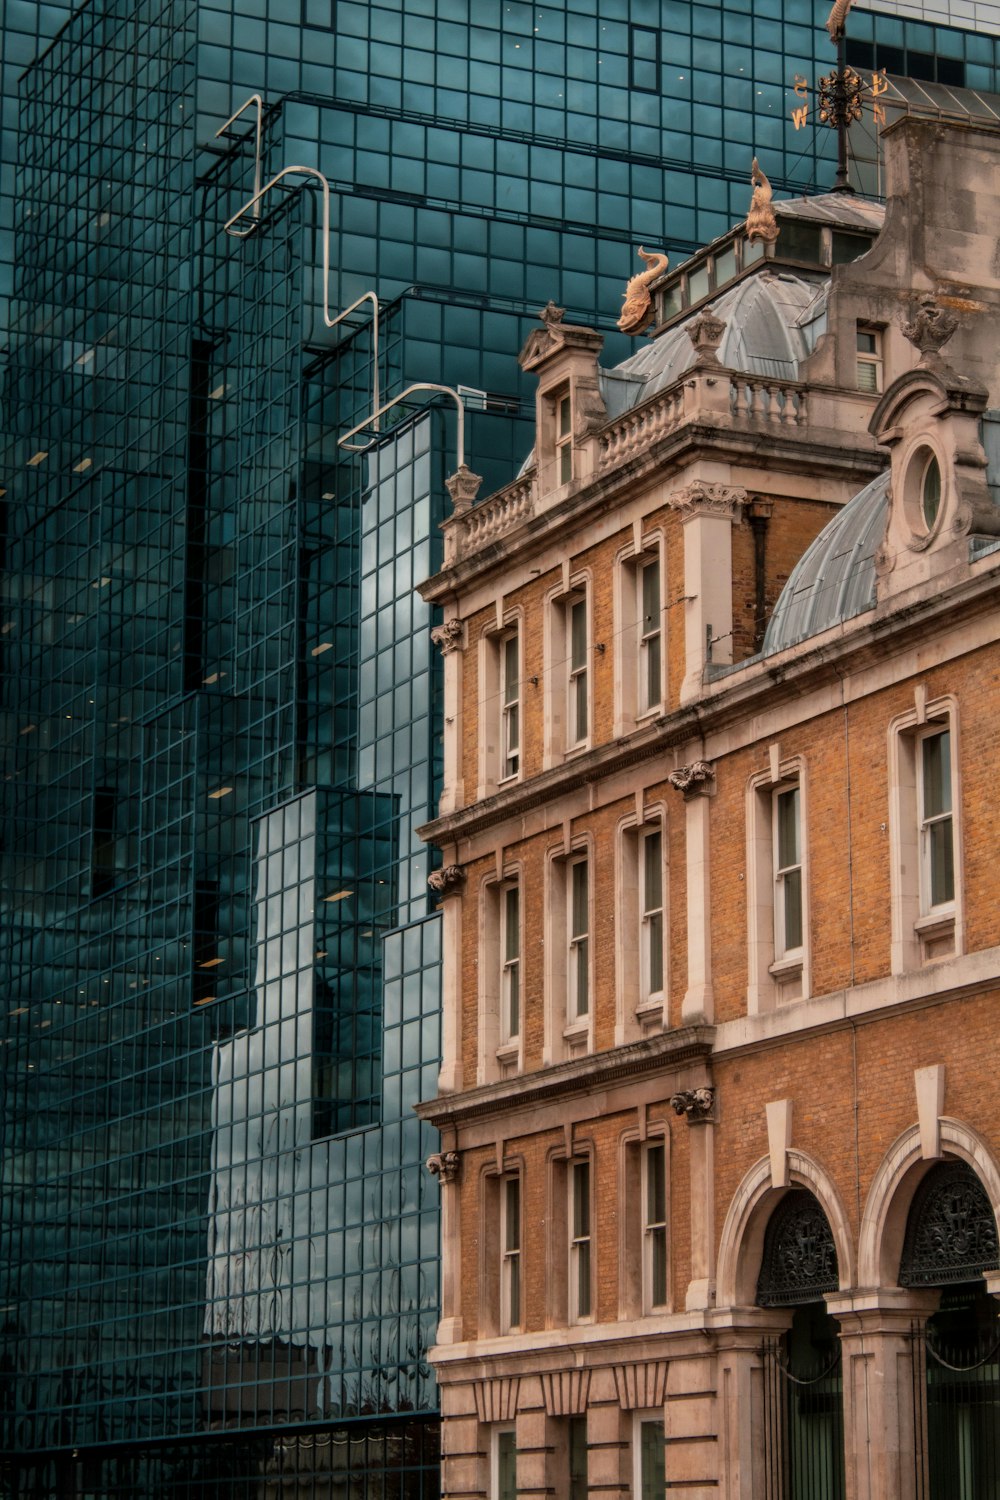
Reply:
x=450, y=638
x=744, y=1433
x=609, y=1439
x=697, y=782
x=445, y=1166
x=881, y=1336
x=464, y=1444
x=447, y=883
x=708, y=512
x=698, y=1105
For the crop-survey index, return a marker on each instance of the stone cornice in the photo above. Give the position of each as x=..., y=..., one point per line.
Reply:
x=669, y=1050
x=818, y=453
x=736, y=698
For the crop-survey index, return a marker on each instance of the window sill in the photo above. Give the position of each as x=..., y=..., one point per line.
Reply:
x=649, y=1015
x=509, y=1059
x=576, y=1035
x=787, y=974
x=936, y=934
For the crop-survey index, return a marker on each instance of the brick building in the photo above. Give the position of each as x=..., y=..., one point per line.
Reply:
x=720, y=1132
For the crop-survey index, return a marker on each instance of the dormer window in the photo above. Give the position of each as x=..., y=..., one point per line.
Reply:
x=564, y=438
x=869, y=358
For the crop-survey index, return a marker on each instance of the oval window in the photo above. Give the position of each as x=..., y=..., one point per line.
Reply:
x=930, y=492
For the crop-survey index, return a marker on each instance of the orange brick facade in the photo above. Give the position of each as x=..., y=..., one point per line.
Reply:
x=832, y=1075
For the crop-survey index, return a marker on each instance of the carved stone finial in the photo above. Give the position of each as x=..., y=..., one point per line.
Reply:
x=448, y=637
x=705, y=332
x=463, y=487
x=447, y=881
x=637, y=311
x=929, y=330
x=551, y=314
x=761, y=223
x=697, y=1104
x=695, y=780
x=444, y=1165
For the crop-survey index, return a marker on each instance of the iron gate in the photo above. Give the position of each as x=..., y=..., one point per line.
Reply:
x=803, y=1425
x=956, y=1417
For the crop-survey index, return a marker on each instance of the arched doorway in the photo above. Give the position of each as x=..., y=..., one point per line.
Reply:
x=950, y=1241
x=803, y=1398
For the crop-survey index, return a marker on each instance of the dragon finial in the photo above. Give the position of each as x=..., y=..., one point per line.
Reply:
x=637, y=311
x=761, y=223
x=837, y=19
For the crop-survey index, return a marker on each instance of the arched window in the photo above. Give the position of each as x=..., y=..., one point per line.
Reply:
x=951, y=1233
x=800, y=1259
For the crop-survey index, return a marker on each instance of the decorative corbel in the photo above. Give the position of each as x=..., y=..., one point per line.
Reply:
x=696, y=1104
x=447, y=881
x=448, y=637
x=444, y=1165
x=701, y=498
x=695, y=780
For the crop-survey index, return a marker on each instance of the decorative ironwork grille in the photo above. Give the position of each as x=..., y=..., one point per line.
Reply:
x=800, y=1258
x=951, y=1233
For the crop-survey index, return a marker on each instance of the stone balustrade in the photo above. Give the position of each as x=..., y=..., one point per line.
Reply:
x=644, y=425
x=752, y=400
x=497, y=515
x=759, y=397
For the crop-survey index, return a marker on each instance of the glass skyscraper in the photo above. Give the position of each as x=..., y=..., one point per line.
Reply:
x=221, y=712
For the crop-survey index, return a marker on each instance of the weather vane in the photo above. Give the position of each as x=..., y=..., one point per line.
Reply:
x=841, y=95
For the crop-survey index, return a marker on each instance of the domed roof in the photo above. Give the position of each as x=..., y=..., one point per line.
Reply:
x=834, y=579
x=772, y=319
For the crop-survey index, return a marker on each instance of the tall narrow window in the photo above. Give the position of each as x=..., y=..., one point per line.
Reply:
x=510, y=941
x=579, y=1244
x=787, y=844
x=654, y=1216
x=505, y=1484
x=937, y=840
x=578, y=705
x=650, y=662
x=510, y=698
x=651, y=1477
x=510, y=1269
x=869, y=358
x=651, y=916
x=564, y=438
x=579, y=940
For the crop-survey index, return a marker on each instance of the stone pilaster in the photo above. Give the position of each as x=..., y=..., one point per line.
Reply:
x=697, y=782
x=881, y=1335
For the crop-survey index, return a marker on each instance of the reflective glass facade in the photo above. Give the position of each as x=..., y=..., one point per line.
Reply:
x=221, y=702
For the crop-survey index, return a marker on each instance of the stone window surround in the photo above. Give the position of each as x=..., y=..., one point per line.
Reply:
x=645, y=547
x=632, y=1020
x=559, y=1267
x=497, y=1057
x=640, y=1417
x=496, y=1432
x=773, y=980
x=493, y=1179
x=919, y=936
x=633, y=1268
x=566, y=1036
x=490, y=749
x=556, y=744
